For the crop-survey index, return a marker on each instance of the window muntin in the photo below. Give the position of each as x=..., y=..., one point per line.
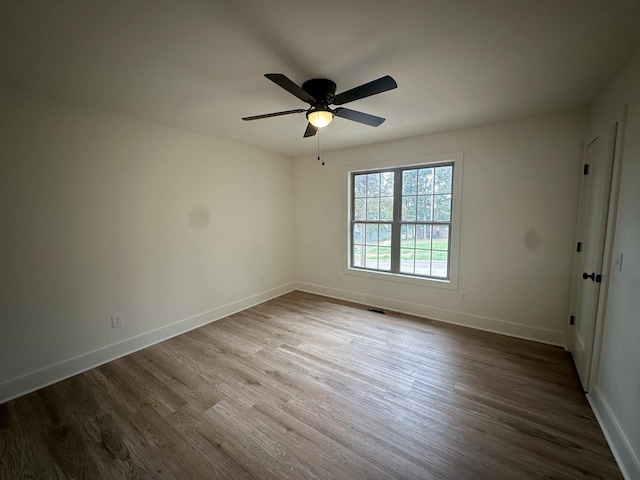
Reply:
x=401, y=220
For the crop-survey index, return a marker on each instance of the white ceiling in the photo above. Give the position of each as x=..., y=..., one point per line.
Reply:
x=199, y=65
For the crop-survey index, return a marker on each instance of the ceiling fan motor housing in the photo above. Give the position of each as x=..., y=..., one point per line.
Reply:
x=321, y=89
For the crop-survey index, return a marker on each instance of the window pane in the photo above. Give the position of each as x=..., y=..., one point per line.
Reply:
x=373, y=208
x=386, y=208
x=372, y=234
x=424, y=207
x=359, y=209
x=407, y=260
x=373, y=185
x=443, y=179
x=384, y=235
x=360, y=183
x=439, y=264
x=384, y=258
x=386, y=184
x=425, y=181
x=423, y=262
x=407, y=236
x=358, y=233
x=358, y=258
x=408, y=209
x=440, y=237
x=442, y=208
x=410, y=182
x=372, y=257
x=423, y=236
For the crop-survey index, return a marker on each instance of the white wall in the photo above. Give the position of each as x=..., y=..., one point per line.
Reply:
x=615, y=395
x=104, y=214
x=519, y=204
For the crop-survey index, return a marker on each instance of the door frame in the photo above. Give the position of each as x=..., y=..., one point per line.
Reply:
x=607, y=260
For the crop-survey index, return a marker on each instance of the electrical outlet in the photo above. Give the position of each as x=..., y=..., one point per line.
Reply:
x=464, y=296
x=116, y=320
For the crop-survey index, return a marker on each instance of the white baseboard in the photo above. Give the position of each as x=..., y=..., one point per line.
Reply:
x=622, y=450
x=493, y=325
x=16, y=387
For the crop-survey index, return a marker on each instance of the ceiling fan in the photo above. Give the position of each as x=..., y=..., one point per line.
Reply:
x=320, y=93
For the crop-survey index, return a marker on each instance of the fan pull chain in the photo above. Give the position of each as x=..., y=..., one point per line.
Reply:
x=319, y=130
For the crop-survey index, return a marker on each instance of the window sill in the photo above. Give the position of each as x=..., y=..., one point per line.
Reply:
x=399, y=278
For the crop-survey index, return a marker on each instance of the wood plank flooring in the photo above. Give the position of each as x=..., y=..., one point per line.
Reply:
x=306, y=387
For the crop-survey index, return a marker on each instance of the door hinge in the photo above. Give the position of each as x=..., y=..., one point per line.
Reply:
x=585, y=169
x=579, y=247
x=598, y=278
x=572, y=320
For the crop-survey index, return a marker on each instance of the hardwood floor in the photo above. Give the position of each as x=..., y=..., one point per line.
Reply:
x=309, y=387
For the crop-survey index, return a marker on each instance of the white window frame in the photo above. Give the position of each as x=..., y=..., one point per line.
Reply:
x=454, y=249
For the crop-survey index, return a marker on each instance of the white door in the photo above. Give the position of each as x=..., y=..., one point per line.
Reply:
x=594, y=207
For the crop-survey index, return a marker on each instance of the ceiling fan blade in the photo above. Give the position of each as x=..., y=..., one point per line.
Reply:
x=372, y=88
x=310, y=131
x=358, y=116
x=289, y=86
x=276, y=114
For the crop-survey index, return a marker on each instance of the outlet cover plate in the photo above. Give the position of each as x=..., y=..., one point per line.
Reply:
x=116, y=320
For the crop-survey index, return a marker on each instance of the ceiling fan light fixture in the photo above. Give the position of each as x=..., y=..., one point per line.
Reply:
x=320, y=118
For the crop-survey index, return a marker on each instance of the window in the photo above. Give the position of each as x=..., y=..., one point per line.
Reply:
x=401, y=220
